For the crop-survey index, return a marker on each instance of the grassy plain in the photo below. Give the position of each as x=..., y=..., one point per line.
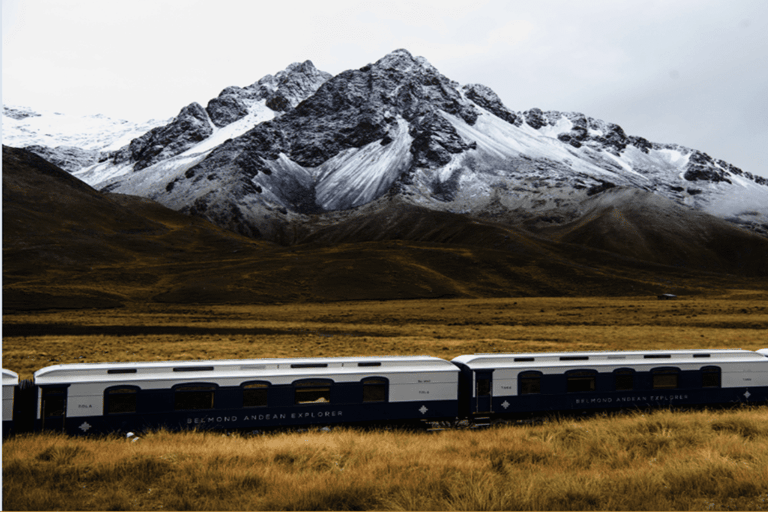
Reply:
x=706, y=460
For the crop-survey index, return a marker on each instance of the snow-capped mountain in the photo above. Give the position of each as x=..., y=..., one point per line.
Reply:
x=264, y=159
x=69, y=141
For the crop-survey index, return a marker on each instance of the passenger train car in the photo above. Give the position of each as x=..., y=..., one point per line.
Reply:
x=262, y=394
x=238, y=394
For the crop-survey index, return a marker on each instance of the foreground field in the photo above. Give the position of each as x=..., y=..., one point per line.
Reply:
x=660, y=461
x=663, y=461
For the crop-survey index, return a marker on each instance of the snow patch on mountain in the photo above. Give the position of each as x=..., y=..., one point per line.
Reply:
x=23, y=126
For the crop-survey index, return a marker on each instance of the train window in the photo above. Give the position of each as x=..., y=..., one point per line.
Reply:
x=624, y=379
x=194, y=396
x=54, y=402
x=710, y=377
x=375, y=389
x=483, y=386
x=312, y=391
x=120, y=400
x=255, y=394
x=529, y=383
x=665, y=378
x=580, y=381
x=193, y=369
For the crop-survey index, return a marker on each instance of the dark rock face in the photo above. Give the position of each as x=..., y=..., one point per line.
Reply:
x=488, y=99
x=227, y=108
x=434, y=141
x=290, y=87
x=69, y=158
x=614, y=138
x=358, y=107
x=640, y=143
x=187, y=129
x=535, y=118
x=701, y=168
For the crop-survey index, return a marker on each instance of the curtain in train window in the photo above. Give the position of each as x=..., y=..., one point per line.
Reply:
x=665, y=378
x=312, y=391
x=529, y=383
x=255, y=394
x=580, y=381
x=120, y=400
x=194, y=396
x=624, y=379
x=710, y=377
x=375, y=389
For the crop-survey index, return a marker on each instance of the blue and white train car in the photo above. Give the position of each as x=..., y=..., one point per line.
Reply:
x=245, y=394
x=10, y=381
x=524, y=384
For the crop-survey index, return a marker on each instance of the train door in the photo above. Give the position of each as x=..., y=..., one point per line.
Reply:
x=53, y=408
x=25, y=407
x=483, y=390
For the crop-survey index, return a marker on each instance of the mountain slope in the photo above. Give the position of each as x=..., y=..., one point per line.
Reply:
x=399, y=126
x=66, y=245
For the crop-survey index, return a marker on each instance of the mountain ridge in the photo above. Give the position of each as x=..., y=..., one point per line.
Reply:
x=263, y=161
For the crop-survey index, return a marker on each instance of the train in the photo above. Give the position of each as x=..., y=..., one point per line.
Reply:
x=479, y=389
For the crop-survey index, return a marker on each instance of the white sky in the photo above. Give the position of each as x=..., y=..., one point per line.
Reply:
x=693, y=72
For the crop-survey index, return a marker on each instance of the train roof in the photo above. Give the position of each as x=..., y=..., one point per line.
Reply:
x=10, y=378
x=645, y=357
x=237, y=368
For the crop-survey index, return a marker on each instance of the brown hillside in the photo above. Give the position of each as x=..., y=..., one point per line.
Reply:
x=66, y=245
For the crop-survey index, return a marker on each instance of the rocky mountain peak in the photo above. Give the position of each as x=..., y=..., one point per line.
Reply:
x=291, y=86
x=191, y=126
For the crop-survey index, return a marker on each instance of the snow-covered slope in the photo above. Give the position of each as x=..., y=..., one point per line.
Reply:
x=23, y=127
x=69, y=141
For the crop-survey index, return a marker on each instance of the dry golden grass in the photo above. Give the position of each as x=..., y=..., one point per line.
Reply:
x=662, y=461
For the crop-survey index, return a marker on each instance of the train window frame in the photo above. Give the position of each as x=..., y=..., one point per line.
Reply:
x=110, y=401
x=529, y=383
x=662, y=378
x=375, y=389
x=625, y=374
x=710, y=372
x=47, y=396
x=255, y=393
x=312, y=391
x=581, y=381
x=196, y=394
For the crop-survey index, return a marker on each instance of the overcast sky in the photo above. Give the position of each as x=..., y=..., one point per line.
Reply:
x=693, y=72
